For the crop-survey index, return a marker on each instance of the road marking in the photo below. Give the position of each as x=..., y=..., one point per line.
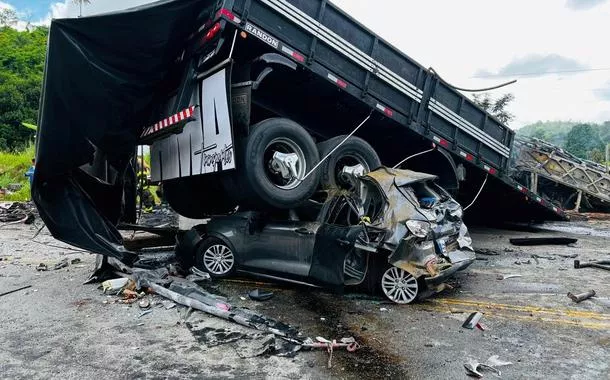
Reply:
x=566, y=317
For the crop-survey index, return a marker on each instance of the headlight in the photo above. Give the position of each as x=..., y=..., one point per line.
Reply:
x=418, y=228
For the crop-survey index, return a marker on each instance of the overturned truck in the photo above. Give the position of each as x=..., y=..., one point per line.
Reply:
x=250, y=105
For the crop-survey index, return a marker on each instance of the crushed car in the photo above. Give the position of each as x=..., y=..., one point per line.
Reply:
x=396, y=232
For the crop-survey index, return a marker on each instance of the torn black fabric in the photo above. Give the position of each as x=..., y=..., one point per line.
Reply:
x=101, y=74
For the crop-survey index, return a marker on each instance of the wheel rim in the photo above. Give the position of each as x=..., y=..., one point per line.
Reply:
x=399, y=286
x=284, y=145
x=218, y=259
x=348, y=160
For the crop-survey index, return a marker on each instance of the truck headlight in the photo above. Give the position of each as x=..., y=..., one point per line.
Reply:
x=418, y=228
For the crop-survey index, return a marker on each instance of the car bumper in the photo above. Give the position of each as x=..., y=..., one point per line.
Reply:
x=460, y=260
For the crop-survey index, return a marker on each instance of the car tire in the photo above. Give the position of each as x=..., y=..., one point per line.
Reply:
x=216, y=257
x=259, y=185
x=398, y=285
x=352, y=152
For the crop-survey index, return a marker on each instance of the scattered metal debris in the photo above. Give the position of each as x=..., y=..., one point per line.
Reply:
x=536, y=257
x=473, y=320
x=473, y=366
x=15, y=290
x=507, y=276
x=114, y=286
x=543, y=241
x=144, y=313
x=487, y=252
x=62, y=264
x=349, y=344
x=600, y=264
x=582, y=296
x=42, y=267
x=260, y=295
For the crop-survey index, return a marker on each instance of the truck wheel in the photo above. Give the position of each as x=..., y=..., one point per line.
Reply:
x=278, y=154
x=355, y=151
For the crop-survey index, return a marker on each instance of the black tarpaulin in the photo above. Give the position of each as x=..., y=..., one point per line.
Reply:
x=100, y=77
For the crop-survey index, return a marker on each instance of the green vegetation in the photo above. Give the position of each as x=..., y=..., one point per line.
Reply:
x=585, y=140
x=22, y=55
x=12, y=169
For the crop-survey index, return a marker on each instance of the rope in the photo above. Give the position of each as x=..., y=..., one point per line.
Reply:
x=414, y=155
x=432, y=71
x=479, y=193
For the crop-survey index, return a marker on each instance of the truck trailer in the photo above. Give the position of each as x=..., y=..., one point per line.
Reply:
x=250, y=104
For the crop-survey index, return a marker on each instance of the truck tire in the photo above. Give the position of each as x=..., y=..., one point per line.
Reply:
x=260, y=184
x=353, y=152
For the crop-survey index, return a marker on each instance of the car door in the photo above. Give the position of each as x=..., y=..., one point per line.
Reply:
x=282, y=248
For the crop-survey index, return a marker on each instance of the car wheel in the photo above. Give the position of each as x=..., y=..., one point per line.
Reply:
x=399, y=286
x=216, y=257
x=278, y=154
x=354, y=151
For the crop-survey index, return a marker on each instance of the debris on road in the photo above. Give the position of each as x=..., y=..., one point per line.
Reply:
x=15, y=290
x=582, y=296
x=144, y=304
x=114, y=286
x=473, y=320
x=536, y=257
x=349, y=344
x=42, y=267
x=62, y=264
x=507, y=276
x=486, y=251
x=543, y=241
x=260, y=295
x=473, y=366
x=144, y=313
x=600, y=264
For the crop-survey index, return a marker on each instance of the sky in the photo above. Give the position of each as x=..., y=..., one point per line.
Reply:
x=556, y=49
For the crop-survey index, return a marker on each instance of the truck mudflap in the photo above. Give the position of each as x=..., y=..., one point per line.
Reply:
x=205, y=144
x=101, y=74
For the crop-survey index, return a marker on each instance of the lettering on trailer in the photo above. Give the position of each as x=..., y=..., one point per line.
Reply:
x=262, y=35
x=216, y=149
x=205, y=145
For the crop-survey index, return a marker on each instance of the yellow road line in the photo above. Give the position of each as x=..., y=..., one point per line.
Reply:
x=591, y=320
x=527, y=318
x=530, y=309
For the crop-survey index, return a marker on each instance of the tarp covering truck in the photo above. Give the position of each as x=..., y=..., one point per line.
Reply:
x=249, y=103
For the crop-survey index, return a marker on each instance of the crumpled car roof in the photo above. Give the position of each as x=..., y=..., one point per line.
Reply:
x=387, y=177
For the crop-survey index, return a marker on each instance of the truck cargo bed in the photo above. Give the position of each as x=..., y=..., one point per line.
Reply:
x=321, y=37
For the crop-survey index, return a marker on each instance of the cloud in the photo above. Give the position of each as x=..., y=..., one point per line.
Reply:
x=5, y=5
x=603, y=93
x=535, y=65
x=581, y=5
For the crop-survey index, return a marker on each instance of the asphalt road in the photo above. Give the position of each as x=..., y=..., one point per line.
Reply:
x=60, y=328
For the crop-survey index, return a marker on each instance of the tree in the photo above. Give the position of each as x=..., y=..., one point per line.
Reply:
x=583, y=141
x=22, y=55
x=497, y=107
x=8, y=17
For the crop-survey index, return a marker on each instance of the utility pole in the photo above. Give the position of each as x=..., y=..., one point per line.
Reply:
x=607, y=156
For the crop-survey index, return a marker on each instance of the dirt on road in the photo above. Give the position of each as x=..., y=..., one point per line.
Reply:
x=59, y=328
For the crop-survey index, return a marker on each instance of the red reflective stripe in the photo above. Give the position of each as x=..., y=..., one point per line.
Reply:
x=298, y=56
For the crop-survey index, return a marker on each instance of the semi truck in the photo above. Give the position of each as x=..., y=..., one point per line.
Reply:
x=250, y=104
